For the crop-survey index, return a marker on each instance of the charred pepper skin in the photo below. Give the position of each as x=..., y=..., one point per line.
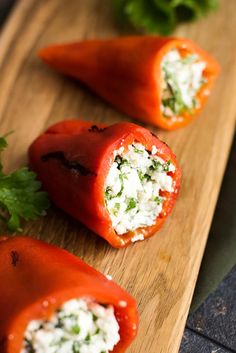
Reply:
x=126, y=72
x=57, y=153
x=38, y=278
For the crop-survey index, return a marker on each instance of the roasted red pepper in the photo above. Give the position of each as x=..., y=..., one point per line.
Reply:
x=126, y=71
x=73, y=158
x=37, y=278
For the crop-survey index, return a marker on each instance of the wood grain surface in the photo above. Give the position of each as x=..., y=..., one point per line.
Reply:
x=160, y=272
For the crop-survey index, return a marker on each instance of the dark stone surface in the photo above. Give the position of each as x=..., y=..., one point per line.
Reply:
x=216, y=317
x=194, y=343
x=220, y=253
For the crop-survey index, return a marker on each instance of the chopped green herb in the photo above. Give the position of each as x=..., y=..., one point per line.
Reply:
x=137, y=150
x=189, y=59
x=131, y=204
x=97, y=331
x=75, y=330
x=3, y=143
x=29, y=346
x=142, y=176
x=174, y=101
x=166, y=166
x=116, y=208
x=156, y=165
x=108, y=193
x=59, y=343
x=88, y=338
x=147, y=177
x=121, y=177
x=158, y=200
x=118, y=160
x=121, y=162
x=95, y=317
x=76, y=347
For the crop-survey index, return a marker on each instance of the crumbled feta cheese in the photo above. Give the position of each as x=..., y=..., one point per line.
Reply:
x=154, y=150
x=182, y=77
x=79, y=326
x=133, y=188
x=109, y=277
x=137, y=238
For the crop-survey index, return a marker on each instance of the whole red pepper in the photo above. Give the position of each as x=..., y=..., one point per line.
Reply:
x=126, y=71
x=73, y=158
x=37, y=278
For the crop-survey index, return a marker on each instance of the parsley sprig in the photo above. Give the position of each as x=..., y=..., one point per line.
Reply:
x=20, y=197
x=161, y=16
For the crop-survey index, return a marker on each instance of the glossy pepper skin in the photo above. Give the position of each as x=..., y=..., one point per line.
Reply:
x=73, y=158
x=126, y=72
x=37, y=278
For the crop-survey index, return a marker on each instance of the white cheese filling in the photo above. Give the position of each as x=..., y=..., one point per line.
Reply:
x=79, y=326
x=133, y=188
x=182, y=77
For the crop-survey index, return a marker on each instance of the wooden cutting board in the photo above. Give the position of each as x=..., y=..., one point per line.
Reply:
x=162, y=271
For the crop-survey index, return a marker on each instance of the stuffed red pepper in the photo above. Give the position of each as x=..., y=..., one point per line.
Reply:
x=119, y=180
x=161, y=81
x=53, y=302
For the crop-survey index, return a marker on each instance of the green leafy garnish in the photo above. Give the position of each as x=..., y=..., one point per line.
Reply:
x=75, y=329
x=88, y=338
x=160, y=167
x=137, y=150
x=20, y=196
x=142, y=176
x=108, y=193
x=76, y=347
x=158, y=200
x=94, y=317
x=166, y=166
x=156, y=165
x=131, y=204
x=118, y=160
x=3, y=143
x=161, y=16
x=121, y=162
x=116, y=209
x=29, y=345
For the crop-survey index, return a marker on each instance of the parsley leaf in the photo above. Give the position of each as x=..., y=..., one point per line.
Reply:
x=158, y=200
x=3, y=143
x=20, y=196
x=131, y=204
x=161, y=16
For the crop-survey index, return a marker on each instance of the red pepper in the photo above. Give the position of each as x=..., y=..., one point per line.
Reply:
x=37, y=278
x=126, y=72
x=73, y=158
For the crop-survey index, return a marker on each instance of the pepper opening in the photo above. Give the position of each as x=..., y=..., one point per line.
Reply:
x=78, y=326
x=135, y=188
x=182, y=78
